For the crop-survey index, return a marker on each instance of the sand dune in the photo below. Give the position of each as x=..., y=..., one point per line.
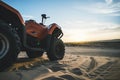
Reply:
x=78, y=64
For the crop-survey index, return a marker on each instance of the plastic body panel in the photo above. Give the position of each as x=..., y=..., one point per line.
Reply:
x=36, y=30
x=53, y=27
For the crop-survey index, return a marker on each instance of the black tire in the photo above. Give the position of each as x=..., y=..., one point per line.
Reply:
x=31, y=41
x=9, y=46
x=57, y=50
x=34, y=54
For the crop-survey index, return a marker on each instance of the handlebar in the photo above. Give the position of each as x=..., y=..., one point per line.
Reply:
x=44, y=17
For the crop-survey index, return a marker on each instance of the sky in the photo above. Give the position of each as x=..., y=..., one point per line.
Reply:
x=81, y=20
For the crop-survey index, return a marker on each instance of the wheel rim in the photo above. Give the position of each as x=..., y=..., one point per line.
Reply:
x=4, y=45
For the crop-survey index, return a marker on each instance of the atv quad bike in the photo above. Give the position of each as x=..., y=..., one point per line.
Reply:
x=30, y=36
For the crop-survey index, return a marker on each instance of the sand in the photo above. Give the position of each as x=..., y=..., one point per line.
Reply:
x=79, y=63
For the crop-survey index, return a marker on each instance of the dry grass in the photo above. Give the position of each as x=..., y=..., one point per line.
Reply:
x=100, y=44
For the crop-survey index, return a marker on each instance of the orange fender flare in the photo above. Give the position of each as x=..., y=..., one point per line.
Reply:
x=53, y=27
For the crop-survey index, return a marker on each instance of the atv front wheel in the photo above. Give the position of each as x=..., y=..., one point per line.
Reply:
x=9, y=46
x=31, y=41
x=57, y=50
x=34, y=54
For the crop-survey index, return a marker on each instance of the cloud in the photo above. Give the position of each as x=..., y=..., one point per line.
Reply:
x=109, y=1
x=90, y=30
x=113, y=29
x=109, y=8
x=27, y=17
x=88, y=25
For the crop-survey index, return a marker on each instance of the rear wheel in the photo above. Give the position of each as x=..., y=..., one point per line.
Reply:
x=57, y=50
x=9, y=46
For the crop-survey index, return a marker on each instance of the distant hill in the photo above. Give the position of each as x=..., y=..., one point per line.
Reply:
x=113, y=40
x=114, y=43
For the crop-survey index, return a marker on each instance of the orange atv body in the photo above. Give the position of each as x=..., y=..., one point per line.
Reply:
x=39, y=31
x=36, y=30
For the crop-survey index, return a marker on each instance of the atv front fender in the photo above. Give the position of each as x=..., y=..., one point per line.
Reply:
x=55, y=30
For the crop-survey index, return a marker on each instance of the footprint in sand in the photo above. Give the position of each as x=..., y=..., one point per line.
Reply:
x=76, y=71
x=52, y=78
x=69, y=77
x=55, y=68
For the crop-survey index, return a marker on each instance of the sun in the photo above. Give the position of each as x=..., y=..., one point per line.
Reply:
x=74, y=38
